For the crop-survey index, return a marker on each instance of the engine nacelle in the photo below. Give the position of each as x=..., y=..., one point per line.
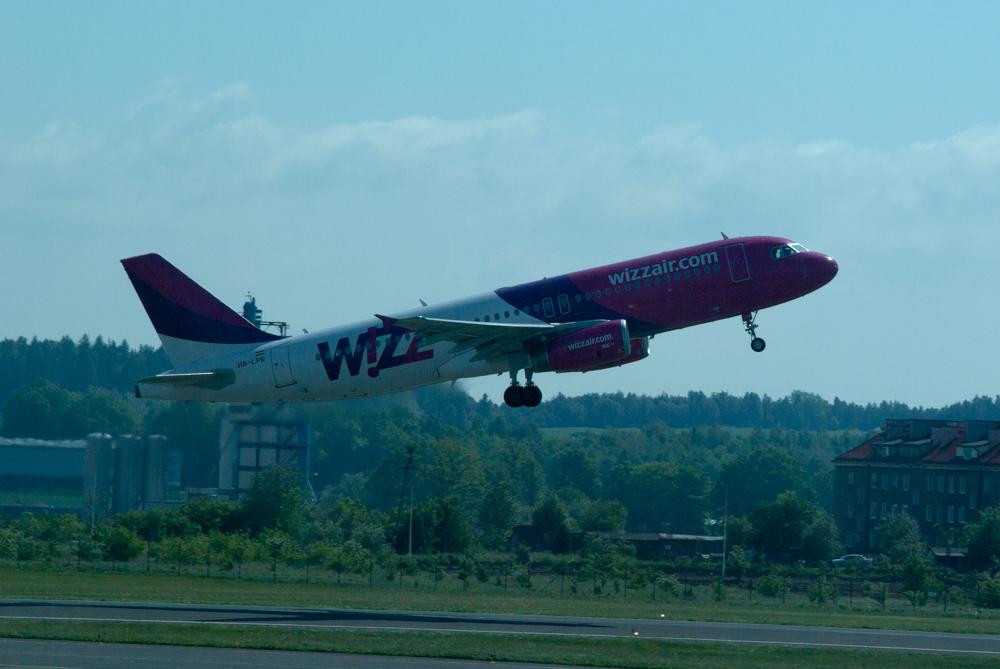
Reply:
x=640, y=350
x=599, y=346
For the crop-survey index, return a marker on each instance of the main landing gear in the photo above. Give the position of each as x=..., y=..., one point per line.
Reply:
x=517, y=395
x=750, y=325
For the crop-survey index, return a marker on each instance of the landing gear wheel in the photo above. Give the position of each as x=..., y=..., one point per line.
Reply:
x=750, y=325
x=514, y=396
x=532, y=396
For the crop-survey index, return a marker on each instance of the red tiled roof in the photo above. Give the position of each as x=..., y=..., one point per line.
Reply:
x=944, y=453
x=861, y=452
x=990, y=457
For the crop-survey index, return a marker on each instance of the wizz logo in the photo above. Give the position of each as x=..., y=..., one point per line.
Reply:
x=365, y=351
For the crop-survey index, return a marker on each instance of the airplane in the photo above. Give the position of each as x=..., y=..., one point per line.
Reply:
x=579, y=322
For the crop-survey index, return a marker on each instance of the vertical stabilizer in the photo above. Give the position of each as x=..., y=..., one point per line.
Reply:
x=191, y=322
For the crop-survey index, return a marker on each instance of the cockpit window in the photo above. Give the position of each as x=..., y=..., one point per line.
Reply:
x=786, y=250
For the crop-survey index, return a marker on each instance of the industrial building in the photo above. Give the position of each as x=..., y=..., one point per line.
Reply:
x=255, y=436
x=92, y=477
x=940, y=472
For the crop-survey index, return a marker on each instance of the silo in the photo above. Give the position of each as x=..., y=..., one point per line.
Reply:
x=155, y=466
x=97, y=478
x=128, y=473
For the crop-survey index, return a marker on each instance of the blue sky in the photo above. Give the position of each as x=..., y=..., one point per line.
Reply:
x=343, y=159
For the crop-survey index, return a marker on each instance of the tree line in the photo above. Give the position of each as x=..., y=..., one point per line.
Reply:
x=79, y=365
x=274, y=527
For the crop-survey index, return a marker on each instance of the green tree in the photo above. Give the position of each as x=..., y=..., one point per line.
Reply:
x=122, y=545
x=275, y=501
x=916, y=577
x=778, y=526
x=574, y=468
x=660, y=496
x=898, y=540
x=8, y=543
x=177, y=551
x=210, y=515
x=983, y=540
x=318, y=554
x=439, y=525
x=101, y=410
x=550, y=521
x=40, y=410
x=274, y=545
x=497, y=515
x=604, y=516
x=240, y=549
x=193, y=428
x=755, y=477
x=452, y=531
x=820, y=539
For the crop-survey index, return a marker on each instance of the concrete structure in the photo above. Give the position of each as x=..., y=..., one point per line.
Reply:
x=97, y=477
x=154, y=485
x=940, y=472
x=41, y=458
x=253, y=437
x=94, y=477
x=128, y=474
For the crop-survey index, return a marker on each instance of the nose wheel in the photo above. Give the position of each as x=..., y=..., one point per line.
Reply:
x=516, y=395
x=750, y=325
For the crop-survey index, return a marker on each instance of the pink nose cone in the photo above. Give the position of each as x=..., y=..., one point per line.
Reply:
x=824, y=268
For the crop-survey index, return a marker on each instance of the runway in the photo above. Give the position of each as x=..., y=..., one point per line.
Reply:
x=793, y=635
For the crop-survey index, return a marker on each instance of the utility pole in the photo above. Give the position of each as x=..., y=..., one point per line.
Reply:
x=409, y=546
x=408, y=475
x=725, y=533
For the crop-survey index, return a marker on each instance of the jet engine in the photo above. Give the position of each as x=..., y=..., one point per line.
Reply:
x=604, y=345
x=640, y=350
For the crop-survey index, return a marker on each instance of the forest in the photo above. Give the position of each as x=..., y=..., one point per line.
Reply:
x=595, y=463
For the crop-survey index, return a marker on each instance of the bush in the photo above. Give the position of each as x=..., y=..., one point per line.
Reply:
x=988, y=591
x=821, y=591
x=771, y=585
x=669, y=584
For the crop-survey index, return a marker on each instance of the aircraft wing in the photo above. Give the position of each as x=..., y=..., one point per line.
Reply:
x=490, y=340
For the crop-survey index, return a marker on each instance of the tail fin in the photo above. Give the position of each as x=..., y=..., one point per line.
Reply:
x=191, y=322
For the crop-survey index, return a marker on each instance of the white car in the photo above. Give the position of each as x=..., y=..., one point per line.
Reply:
x=852, y=560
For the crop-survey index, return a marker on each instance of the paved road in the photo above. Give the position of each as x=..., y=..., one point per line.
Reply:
x=26, y=654
x=972, y=644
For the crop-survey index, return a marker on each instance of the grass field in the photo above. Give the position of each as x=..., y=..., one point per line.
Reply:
x=414, y=595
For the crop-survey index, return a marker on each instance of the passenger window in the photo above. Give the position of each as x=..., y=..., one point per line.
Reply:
x=547, y=307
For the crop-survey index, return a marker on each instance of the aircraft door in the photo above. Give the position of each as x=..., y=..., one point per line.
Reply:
x=281, y=366
x=739, y=269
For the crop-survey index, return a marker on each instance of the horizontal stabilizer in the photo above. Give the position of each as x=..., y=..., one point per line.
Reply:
x=211, y=380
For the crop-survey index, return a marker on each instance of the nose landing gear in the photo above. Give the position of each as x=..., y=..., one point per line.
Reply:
x=750, y=325
x=516, y=395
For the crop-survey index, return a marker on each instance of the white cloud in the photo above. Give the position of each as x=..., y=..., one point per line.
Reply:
x=483, y=202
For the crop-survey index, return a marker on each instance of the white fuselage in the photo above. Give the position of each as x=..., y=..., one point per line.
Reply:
x=294, y=369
